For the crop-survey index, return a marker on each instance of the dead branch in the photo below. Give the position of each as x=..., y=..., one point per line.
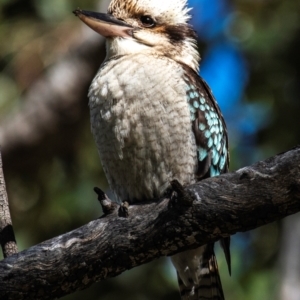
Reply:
x=7, y=236
x=220, y=206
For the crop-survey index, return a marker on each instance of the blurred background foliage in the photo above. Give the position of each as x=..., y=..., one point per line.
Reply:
x=250, y=58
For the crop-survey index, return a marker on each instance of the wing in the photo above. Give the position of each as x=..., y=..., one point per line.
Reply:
x=208, y=126
x=210, y=134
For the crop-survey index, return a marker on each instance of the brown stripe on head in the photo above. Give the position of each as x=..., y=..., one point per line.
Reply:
x=179, y=32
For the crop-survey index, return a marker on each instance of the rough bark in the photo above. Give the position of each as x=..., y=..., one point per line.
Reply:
x=7, y=236
x=221, y=206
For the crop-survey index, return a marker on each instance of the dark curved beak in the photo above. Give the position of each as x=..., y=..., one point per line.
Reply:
x=104, y=24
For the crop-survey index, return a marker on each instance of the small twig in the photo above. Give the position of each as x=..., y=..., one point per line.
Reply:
x=123, y=209
x=108, y=207
x=7, y=236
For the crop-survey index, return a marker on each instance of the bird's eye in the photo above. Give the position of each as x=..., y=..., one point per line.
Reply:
x=147, y=21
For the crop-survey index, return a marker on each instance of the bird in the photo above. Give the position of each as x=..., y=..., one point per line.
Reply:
x=154, y=119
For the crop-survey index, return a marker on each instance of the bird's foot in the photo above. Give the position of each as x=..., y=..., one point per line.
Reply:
x=180, y=195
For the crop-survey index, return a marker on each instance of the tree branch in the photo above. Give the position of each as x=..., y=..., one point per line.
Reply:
x=7, y=236
x=238, y=201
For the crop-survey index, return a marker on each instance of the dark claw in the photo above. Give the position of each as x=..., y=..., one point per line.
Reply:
x=180, y=195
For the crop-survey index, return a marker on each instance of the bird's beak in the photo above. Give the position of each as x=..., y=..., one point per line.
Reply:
x=104, y=24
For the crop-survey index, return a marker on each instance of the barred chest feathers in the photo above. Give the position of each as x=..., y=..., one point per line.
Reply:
x=143, y=131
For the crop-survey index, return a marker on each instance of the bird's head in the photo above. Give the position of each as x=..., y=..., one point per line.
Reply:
x=154, y=27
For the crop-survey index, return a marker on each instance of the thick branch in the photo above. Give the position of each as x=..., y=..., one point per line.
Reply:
x=238, y=201
x=7, y=236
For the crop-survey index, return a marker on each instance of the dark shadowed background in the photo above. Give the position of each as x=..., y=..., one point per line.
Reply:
x=250, y=58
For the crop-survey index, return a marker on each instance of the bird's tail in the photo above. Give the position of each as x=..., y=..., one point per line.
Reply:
x=198, y=274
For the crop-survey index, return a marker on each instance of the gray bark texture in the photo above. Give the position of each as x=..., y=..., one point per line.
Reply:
x=216, y=207
x=7, y=236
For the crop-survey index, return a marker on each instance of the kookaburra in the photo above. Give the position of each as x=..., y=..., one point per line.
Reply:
x=155, y=120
